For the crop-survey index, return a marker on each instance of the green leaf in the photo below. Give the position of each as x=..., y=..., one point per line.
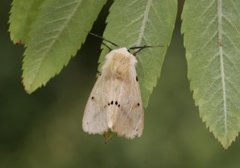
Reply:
x=212, y=39
x=57, y=34
x=142, y=22
x=23, y=13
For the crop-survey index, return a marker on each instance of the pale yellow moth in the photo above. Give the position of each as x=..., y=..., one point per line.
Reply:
x=115, y=102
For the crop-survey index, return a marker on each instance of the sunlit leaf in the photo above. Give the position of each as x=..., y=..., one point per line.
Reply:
x=23, y=13
x=60, y=29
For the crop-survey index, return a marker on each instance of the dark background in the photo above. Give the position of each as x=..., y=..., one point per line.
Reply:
x=44, y=129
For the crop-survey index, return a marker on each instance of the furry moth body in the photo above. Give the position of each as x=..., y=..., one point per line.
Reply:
x=115, y=102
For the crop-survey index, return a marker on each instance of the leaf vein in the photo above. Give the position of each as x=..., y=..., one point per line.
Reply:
x=144, y=22
x=209, y=40
x=230, y=23
x=220, y=50
x=208, y=8
x=67, y=5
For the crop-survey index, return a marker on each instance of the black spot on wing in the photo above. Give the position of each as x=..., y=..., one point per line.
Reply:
x=114, y=103
x=136, y=78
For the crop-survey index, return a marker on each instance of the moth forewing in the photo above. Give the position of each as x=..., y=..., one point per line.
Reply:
x=95, y=116
x=115, y=102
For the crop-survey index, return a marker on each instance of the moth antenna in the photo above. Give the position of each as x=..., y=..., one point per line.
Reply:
x=109, y=48
x=100, y=37
x=140, y=48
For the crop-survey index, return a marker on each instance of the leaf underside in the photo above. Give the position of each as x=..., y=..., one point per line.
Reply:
x=142, y=22
x=212, y=39
x=56, y=35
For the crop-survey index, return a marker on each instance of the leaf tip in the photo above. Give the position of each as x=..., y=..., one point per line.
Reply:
x=27, y=87
x=225, y=140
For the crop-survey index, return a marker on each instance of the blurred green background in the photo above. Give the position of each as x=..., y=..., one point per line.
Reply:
x=44, y=129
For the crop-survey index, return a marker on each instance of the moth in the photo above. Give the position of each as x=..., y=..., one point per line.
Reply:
x=115, y=103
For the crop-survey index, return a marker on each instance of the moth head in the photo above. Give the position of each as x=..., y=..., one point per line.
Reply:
x=120, y=64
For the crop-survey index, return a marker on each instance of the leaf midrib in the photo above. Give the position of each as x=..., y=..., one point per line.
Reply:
x=144, y=22
x=220, y=51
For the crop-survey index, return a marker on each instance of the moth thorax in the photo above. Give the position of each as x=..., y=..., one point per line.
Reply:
x=120, y=66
